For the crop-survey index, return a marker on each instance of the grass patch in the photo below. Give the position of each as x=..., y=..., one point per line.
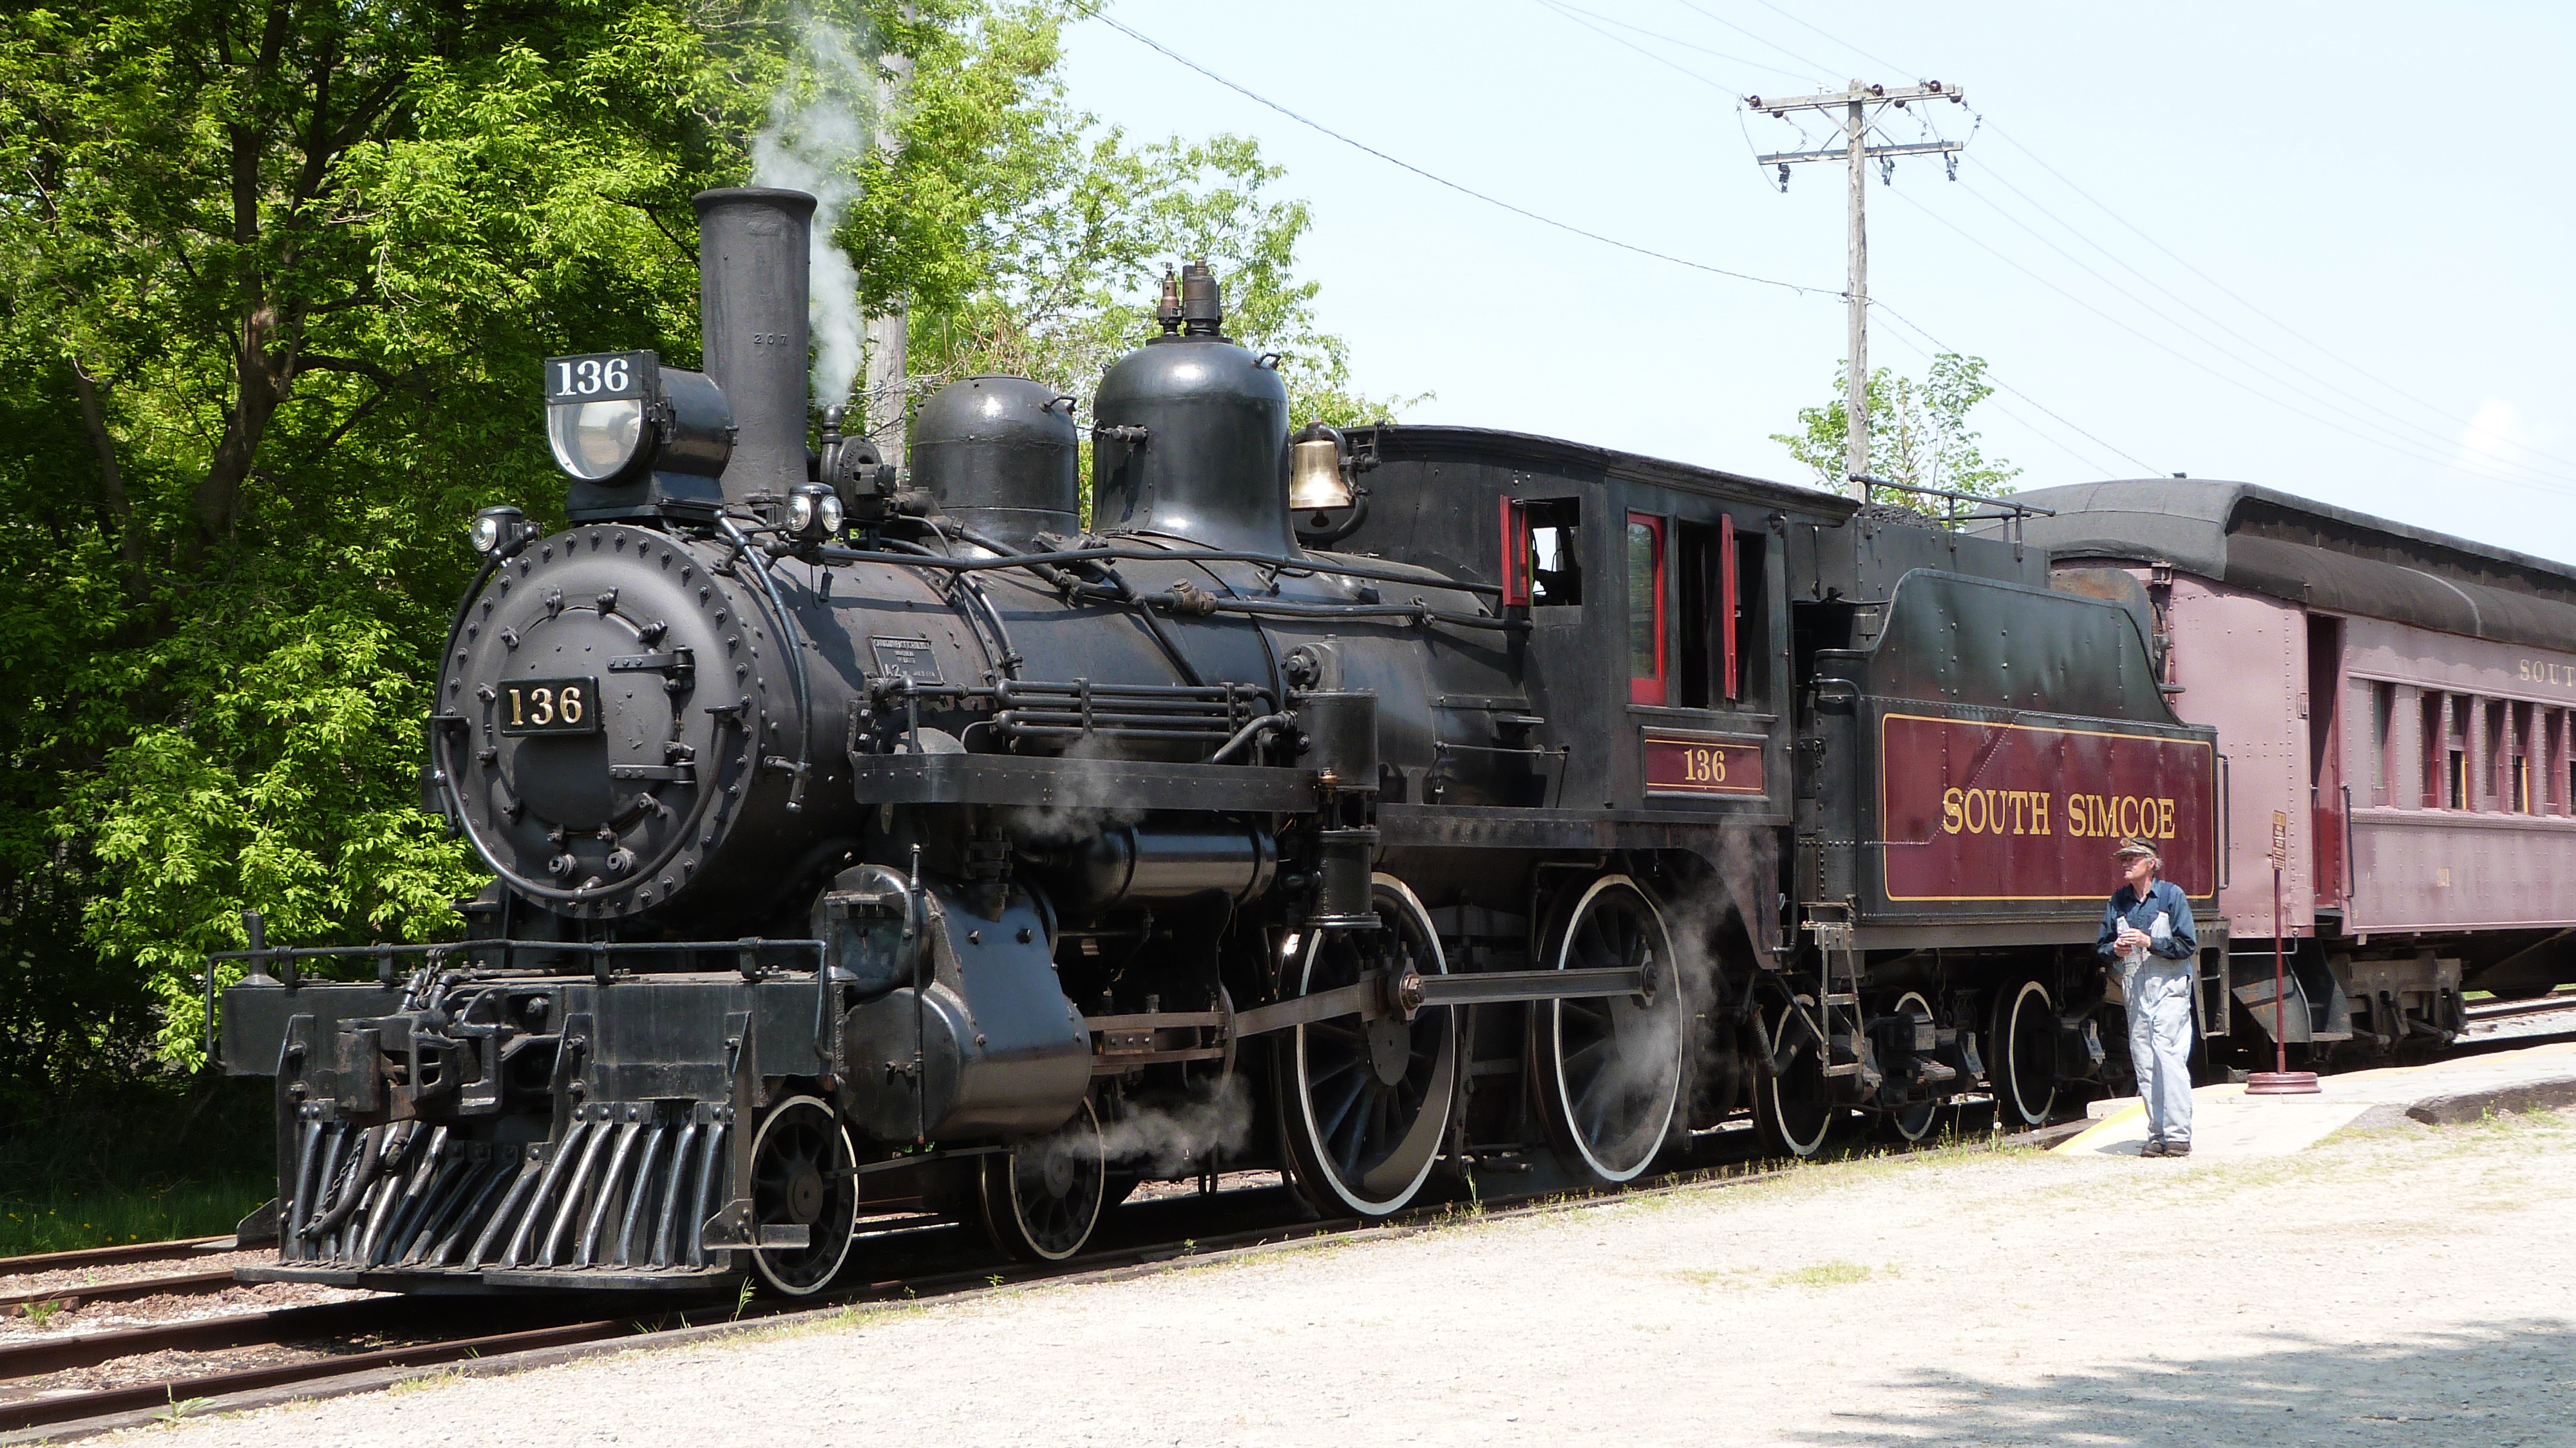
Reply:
x=1830, y=1274
x=67, y=1220
x=1836, y=1273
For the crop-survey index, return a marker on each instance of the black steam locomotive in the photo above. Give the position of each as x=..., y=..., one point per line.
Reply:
x=1380, y=806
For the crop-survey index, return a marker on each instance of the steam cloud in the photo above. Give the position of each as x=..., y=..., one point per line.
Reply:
x=822, y=120
x=1178, y=1140
x=1087, y=803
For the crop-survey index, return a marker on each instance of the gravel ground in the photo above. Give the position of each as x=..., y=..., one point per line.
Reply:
x=2404, y=1286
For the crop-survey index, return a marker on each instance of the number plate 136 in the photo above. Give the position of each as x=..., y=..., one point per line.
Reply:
x=549, y=706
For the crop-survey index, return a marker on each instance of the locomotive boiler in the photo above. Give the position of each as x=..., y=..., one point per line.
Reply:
x=1382, y=807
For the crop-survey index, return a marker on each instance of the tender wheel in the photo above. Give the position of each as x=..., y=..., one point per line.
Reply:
x=1365, y=1103
x=1610, y=1067
x=1795, y=1110
x=800, y=1176
x=2024, y=1068
x=1913, y=1123
x=1043, y=1197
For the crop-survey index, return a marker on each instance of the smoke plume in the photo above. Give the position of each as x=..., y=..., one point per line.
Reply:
x=1175, y=1141
x=822, y=121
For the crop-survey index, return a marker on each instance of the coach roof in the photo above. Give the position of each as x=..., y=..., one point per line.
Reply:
x=2312, y=553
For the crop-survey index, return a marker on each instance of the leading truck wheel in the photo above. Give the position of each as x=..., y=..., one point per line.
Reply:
x=1610, y=1067
x=2024, y=1069
x=1042, y=1198
x=1365, y=1103
x=801, y=1176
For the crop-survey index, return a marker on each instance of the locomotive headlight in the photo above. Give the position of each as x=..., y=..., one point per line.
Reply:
x=812, y=511
x=618, y=417
x=496, y=530
x=594, y=441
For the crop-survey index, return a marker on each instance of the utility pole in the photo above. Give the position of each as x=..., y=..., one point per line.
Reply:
x=1854, y=110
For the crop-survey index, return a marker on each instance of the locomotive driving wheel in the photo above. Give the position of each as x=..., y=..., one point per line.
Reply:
x=1364, y=1102
x=1794, y=1110
x=1043, y=1197
x=2024, y=1065
x=801, y=1176
x=1610, y=1067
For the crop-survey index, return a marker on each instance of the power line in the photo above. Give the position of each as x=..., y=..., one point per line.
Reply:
x=2002, y=386
x=1169, y=54
x=2449, y=419
x=2044, y=434
x=1468, y=191
x=2393, y=388
x=1571, y=11
x=2373, y=420
x=1814, y=68
x=2406, y=449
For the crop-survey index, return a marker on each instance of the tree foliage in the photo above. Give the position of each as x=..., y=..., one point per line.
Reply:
x=1918, y=435
x=275, y=278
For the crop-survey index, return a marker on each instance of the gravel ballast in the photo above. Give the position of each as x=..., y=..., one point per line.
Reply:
x=2409, y=1286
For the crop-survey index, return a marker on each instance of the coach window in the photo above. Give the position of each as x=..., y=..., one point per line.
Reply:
x=2518, y=751
x=2455, y=752
x=2432, y=738
x=1645, y=609
x=2383, y=713
x=2497, y=718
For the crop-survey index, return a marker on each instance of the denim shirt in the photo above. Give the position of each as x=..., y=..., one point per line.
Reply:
x=2162, y=895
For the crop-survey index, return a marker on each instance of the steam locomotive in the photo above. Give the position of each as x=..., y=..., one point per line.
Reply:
x=1383, y=807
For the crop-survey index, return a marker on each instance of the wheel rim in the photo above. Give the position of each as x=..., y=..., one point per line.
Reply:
x=1915, y=1122
x=2026, y=1081
x=800, y=1176
x=1798, y=1103
x=1046, y=1196
x=1368, y=1102
x=1615, y=1062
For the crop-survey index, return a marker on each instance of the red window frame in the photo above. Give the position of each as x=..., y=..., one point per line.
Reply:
x=1515, y=570
x=1649, y=688
x=1728, y=603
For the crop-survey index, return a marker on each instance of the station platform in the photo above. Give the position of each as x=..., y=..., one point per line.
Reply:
x=2228, y=1124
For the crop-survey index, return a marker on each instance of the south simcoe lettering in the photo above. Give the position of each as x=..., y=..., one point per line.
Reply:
x=2036, y=812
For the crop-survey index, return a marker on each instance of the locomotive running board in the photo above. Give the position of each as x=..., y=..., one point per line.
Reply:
x=1077, y=783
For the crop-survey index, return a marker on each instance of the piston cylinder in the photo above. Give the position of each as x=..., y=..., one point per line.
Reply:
x=1130, y=864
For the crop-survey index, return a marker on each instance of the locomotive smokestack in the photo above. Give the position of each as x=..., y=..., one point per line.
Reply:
x=753, y=254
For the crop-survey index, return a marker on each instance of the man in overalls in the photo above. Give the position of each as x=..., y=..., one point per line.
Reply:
x=2147, y=937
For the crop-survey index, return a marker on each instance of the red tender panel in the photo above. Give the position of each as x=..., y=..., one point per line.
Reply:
x=1973, y=811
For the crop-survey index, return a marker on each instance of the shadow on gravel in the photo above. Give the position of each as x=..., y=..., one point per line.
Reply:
x=2500, y=1385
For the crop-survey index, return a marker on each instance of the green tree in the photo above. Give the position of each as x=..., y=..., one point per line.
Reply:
x=1918, y=435
x=275, y=277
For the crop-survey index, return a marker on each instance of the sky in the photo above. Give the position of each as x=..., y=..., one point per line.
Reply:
x=2316, y=247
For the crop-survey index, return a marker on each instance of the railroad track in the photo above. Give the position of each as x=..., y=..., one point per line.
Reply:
x=2557, y=1000
x=1169, y=1232
x=442, y=1327
x=132, y=1252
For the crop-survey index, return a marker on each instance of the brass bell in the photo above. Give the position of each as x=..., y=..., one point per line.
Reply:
x=1315, y=477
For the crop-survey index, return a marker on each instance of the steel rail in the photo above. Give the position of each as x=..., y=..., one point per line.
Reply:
x=130, y=1290
x=94, y=1411
x=169, y=1251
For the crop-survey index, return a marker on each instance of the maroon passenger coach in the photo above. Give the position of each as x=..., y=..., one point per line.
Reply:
x=2404, y=698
